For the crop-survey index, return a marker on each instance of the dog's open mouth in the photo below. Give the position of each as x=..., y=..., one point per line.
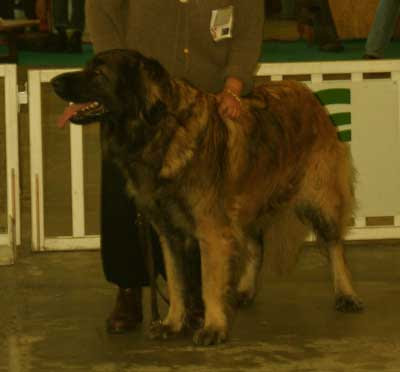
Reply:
x=82, y=113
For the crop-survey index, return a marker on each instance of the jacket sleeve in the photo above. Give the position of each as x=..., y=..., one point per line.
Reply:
x=246, y=41
x=105, y=20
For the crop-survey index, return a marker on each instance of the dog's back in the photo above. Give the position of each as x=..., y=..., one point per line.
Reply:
x=286, y=172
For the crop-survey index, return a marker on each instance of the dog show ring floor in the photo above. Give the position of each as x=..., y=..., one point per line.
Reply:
x=54, y=306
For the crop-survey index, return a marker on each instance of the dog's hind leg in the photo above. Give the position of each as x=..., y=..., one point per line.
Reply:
x=283, y=240
x=329, y=227
x=217, y=248
x=346, y=298
x=175, y=319
x=328, y=204
x=247, y=286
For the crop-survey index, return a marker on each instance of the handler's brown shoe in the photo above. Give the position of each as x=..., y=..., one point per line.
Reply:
x=127, y=313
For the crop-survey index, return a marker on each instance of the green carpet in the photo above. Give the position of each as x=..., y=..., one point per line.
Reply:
x=36, y=59
x=272, y=51
x=300, y=51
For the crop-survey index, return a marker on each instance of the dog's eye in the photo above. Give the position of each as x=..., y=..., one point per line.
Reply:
x=99, y=74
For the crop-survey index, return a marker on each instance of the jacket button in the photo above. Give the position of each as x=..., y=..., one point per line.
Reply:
x=184, y=1
x=186, y=51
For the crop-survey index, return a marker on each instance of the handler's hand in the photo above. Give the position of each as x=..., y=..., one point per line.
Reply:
x=229, y=104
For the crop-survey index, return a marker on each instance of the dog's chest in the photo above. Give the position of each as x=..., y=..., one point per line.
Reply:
x=162, y=201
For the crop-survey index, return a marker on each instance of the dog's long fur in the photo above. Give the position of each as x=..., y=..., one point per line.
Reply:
x=264, y=180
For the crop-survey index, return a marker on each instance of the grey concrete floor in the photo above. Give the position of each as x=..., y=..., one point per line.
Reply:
x=53, y=307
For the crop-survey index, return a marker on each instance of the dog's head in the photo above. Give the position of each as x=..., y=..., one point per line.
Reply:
x=121, y=84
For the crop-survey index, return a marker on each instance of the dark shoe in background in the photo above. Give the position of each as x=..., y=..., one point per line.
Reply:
x=127, y=313
x=369, y=56
x=335, y=46
x=75, y=42
x=60, y=42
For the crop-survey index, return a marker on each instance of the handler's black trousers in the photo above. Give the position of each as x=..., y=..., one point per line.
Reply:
x=123, y=253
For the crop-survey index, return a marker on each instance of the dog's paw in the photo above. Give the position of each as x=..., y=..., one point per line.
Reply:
x=210, y=336
x=195, y=321
x=348, y=304
x=161, y=331
x=245, y=299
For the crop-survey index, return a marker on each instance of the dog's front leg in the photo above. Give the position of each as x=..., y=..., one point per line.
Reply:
x=217, y=247
x=174, y=322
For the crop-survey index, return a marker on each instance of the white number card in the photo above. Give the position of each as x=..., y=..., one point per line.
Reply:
x=221, y=23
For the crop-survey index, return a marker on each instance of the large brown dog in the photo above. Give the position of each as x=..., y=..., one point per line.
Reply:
x=267, y=179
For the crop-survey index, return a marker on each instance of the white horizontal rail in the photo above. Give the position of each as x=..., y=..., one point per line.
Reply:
x=46, y=75
x=315, y=68
x=67, y=243
x=374, y=233
x=4, y=240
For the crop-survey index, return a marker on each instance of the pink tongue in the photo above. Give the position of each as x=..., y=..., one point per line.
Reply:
x=69, y=111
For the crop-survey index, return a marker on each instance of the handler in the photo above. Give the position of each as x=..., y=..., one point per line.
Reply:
x=215, y=45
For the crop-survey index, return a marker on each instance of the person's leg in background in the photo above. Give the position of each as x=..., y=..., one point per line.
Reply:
x=7, y=9
x=382, y=29
x=29, y=8
x=325, y=28
x=78, y=26
x=288, y=9
x=61, y=23
x=318, y=15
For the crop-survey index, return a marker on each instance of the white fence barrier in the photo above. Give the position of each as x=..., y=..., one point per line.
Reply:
x=369, y=103
x=12, y=238
x=365, y=108
x=79, y=240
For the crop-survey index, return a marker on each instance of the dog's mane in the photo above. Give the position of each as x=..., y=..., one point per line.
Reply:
x=198, y=121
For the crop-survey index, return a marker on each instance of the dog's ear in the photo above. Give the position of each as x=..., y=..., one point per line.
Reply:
x=156, y=82
x=155, y=113
x=154, y=70
x=156, y=79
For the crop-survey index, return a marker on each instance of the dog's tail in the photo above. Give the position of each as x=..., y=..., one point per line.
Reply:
x=283, y=242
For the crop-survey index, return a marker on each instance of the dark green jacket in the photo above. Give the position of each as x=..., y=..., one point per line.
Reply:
x=177, y=33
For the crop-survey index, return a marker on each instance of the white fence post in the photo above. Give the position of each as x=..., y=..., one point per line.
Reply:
x=77, y=180
x=36, y=154
x=12, y=239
